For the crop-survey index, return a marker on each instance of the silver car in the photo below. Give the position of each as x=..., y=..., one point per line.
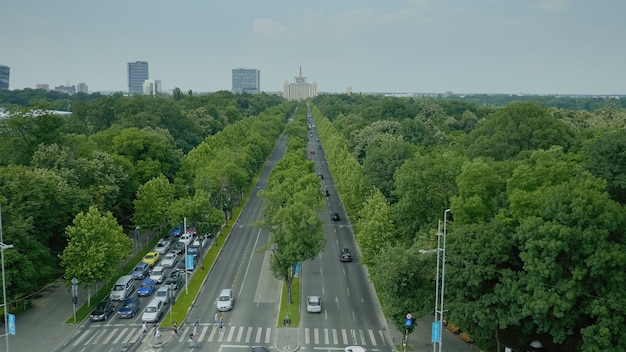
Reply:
x=313, y=304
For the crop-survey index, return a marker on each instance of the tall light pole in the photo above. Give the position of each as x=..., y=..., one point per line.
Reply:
x=439, y=292
x=4, y=286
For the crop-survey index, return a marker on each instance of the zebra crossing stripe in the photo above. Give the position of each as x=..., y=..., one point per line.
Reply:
x=108, y=338
x=259, y=331
x=372, y=337
x=344, y=334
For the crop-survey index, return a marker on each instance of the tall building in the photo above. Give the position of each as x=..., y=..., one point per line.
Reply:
x=299, y=90
x=152, y=87
x=5, y=72
x=137, y=74
x=66, y=89
x=82, y=88
x=246, y=80
x=43, y=86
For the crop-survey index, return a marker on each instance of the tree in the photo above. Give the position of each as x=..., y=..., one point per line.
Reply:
x=605, y=157
x=95, y=248
x=152, y=205
x=381, y=163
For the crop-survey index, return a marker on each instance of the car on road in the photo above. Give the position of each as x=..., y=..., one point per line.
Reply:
x=153, y=311
x=182, y=266
x=313, y=304
x=186, y=238
x=192, y=230
x=162, y=246
x=334, y=216
x=179, y=247
x=354, y=349
x=158, y=274
x=169, y=260
x=102, y=310
x=202, y=241
x=193, y=250
x=151, y=258
x=165, y=293
x=175, y=280
x=129, y=308
x=176, y=231
x=146, y=288
x=312, y=151
x=140, y=271
x=345, y=255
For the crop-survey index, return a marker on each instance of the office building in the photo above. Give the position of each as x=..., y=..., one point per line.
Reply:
x=82, y=88
x=246, y=80
x=152, y=87
x=43, y=86
x=137, y=74
x=5, y=73
x=300, y=89
x=66, y=89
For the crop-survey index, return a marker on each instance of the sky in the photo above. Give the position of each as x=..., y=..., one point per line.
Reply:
x=399, y=46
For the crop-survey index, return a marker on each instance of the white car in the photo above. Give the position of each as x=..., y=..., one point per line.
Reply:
x=186, y=238
x=354, y=349
x=162, y=246
x=158, y=274
x=313, y=304
x=169, y=260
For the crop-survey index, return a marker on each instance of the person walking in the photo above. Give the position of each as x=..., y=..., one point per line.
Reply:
x=192, y=341
x=221, y=324
x=144, y=329
x=175, y=328
x=197, y=326
x=157, y=335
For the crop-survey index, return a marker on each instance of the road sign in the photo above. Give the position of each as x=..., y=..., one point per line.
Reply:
x=436, y=333
x=408, y=322
x=11, y=318
x=409, y=316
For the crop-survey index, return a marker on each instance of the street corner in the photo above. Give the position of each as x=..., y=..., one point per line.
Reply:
x=287, y=340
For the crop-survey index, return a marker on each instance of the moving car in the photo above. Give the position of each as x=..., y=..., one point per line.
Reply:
x=345, y=255
x=158, y=274
x=175, y=280
x=354, y=349
x=169, y=260
x=225, y=300
x=140, y=271
x=165, y=293
x=193, y=250
x=186, y=238
x=176, y=231
x=151, y=258
x=313, y=304
x=334, y=216
x=129, y=308
x=162, y=246
x=146, y=288
x=153, y=311
x=102, y=310
x=179, y=247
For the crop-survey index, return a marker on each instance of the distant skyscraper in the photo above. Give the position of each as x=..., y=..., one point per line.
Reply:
x=66, y=89
x=137, y=74
x=5, y=72
x=299, y=90
x=152, y=87
x=246, y=80
x=43, y=86
x=82, y=88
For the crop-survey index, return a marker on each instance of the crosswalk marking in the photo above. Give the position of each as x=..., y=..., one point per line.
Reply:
x=108, y=338
x=344, y=334
x=259, y=330
x=268, y=335
x=372, y=337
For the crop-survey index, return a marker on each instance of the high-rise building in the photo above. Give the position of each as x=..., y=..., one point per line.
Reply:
x=5, y=73
x=246, y=80
x=66, y=89
x=82, y=88
x=152, y=87
x=137, y=74
x=43, y=86
x=299, y=90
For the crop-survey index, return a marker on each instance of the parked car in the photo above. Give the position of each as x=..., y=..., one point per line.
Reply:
x=158, y=274
x=175, y=280
x=345, y=255
x=169, y=260
x=162, y=246
x=334, y=216
x=313, y=304
x=129, y=308
x=102, y=310
x=146, y=288
x=140, y=271
x=151, y=258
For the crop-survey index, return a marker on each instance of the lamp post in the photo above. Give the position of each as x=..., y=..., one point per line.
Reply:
x=439, y=292
x=4, y=286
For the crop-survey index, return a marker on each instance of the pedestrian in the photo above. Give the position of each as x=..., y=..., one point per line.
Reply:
x=144, y=329
x=217, y=318
x=175, y=328
x=221, y=324
x=197, y=326
x=192, y=341
x=157, y=335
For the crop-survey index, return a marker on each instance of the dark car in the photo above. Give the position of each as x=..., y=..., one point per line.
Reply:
x=320, y=175
x=334, y=216
x=193, y=250
x=175, y=280
x=140, y=271
x=129, y=308
x=345, y=255
x=179, y=247
x=102, y=311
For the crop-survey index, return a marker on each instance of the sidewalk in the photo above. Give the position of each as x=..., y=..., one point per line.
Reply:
x=43, y=328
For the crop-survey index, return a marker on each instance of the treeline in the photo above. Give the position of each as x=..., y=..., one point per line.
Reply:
x=536, y=241
x=53, y=167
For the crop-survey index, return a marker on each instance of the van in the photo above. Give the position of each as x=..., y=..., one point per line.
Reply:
x=123, y=287
x=153, y=311
x=225, y=300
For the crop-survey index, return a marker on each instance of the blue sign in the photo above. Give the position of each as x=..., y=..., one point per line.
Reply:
x=436, y=336
x=11, y=318
x=189, y=262
x=297, y=272
x=408, y=322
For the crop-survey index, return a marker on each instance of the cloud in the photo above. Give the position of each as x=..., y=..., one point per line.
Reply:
x=268, y=27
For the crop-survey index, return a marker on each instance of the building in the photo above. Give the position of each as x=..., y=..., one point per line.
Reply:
x=299, y=90
x=152, y=87
x=43, y=86
x=246, y=80
x=82, y=88
x=66, y=89
x=5, y=73
x=137, y=74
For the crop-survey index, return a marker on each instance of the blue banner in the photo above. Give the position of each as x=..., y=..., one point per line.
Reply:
x=189, y=262
x=11, y=318
x=436, y=336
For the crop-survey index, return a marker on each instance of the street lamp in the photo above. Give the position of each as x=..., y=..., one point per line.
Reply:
x=4, y=286
x=439, y=293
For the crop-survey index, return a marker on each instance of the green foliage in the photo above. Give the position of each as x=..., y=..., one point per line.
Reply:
x=605, y=157
x=153, y=202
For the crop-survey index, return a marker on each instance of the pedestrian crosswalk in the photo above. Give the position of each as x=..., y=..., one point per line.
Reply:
x=249, y=335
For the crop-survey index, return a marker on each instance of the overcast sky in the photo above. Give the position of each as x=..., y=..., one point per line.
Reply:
x=461, y=46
